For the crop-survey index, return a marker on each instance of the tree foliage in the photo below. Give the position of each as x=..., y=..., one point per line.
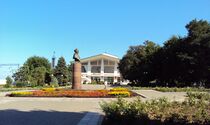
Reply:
x=34, y=71
x=9, y=82
x=61, y=71
x=181, y=61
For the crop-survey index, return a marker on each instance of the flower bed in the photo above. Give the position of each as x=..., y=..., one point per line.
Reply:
x=52, y=92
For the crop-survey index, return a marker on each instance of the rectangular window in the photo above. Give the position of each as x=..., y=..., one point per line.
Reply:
x=84, y=64
x=108, y=69
x=84, y=69
x=111, y=62
x=96, y=69
x=109, y=79
x=105, y=62
x=93, y=62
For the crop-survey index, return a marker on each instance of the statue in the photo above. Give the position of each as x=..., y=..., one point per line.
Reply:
x=76, y=55
x=76, y=76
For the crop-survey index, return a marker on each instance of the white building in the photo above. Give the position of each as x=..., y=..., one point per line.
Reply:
x=102, y=67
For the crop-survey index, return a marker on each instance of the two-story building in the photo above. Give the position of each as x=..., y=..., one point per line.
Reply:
x=102, y=67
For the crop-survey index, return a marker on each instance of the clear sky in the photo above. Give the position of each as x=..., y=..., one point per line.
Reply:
x=39, y=27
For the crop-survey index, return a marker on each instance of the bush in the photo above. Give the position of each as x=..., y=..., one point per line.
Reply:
x=21, y=93
x=119, y=89
x=197, y=95
x=21, y=84
x=158, y=111
x=48, y=89
x=172, y=89
x=54, y=82
x=8, y=82
x=119, y=93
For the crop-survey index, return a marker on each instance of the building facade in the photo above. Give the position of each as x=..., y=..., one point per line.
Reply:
x=100, y=68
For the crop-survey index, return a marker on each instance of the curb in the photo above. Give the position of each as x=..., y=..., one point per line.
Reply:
x=91, y=118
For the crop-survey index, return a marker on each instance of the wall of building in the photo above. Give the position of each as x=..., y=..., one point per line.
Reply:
x=100, y=69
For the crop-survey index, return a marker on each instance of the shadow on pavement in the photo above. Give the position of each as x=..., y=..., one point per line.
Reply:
x=39, y=117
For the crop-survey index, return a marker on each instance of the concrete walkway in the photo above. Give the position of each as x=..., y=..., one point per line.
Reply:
x=152, y=94
x=49, y=111
x=64, y=111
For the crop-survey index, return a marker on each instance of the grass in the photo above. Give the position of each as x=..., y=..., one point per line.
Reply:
x=172, y=89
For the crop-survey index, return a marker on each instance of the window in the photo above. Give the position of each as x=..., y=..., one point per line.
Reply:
x=84, y=63
x=105, y=62
x=111, y=62
x=109, y=79
x=108, y=69
x=96, y=69
x=93, y=62
x=84, y=69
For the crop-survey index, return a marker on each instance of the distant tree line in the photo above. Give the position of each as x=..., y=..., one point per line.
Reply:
x=181, y=61
x=37, y=71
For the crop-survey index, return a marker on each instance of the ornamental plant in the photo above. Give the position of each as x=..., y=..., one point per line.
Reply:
x=21, y=93
x=48, y=89
x=157, y=112
x=53, y=92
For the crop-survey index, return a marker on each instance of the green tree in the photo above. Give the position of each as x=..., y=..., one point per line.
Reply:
x=36, y=70
x=61, y=71
x=54, y=81
x=9, y=82
x=185, y=61
x=36, y=61
x=136, y=64
x=38, y=76
x=182, y=61
x=23, y=74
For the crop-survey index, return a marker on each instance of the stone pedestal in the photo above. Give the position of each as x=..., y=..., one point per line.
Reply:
x=76, y=78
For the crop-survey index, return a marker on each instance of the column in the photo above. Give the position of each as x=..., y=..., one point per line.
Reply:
x=102, y=69
x=115, y=71
x=115, y=68
x=89, y=70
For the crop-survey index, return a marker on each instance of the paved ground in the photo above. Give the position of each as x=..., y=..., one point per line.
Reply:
x=62, y=111
x=46, y=111
x=152, y=94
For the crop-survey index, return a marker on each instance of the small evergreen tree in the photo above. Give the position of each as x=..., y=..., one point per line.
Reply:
x=8, y=82
x=54, y=82
x=61, y=71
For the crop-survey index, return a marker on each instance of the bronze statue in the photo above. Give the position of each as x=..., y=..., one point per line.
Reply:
x=76, y=55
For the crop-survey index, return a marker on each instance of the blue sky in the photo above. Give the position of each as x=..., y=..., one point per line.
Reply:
x=39, y=27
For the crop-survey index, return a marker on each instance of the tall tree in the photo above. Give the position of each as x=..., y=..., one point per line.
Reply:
x=61, y=71
x=135, y=65
x=38, y=76
x=33, y=71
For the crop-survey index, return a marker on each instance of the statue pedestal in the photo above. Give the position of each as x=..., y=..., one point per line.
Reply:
x=76, y=79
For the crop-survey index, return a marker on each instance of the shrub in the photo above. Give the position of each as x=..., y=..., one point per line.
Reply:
x=54, y=82
x=119, y=89
x=21, y=84
x=175, y=89
x=115, y=109
x=8, y=82
x=199, y=95
x=21, y=93
x=48, y=89
x=158, y=111
x=119, y=93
